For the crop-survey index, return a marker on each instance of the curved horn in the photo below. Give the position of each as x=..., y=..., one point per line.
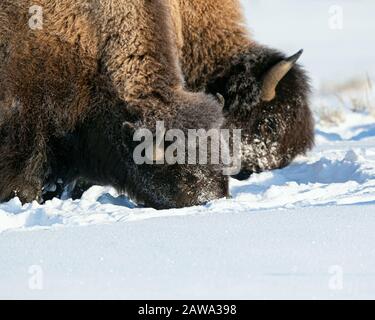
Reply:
x=276, y=74
x=220, y=99
x=158, y=154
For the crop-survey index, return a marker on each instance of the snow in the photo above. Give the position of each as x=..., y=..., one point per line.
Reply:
x=302, y=232
x=266, y=254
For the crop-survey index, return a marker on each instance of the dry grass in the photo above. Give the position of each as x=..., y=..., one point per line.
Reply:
x=330, y=117
x=356, y=95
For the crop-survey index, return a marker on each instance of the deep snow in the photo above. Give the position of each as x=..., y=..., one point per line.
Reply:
x=306, y=231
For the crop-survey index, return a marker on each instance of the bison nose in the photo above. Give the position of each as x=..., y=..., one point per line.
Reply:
x=243, y=175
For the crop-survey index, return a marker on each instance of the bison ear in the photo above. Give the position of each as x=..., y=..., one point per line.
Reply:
x=276, y=74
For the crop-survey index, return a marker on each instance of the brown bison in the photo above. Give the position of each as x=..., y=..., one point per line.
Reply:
x=76, y=85
x=266, y=94
x=72, y=94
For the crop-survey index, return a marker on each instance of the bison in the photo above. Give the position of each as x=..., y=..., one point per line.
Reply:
x=76, y=85
x=266, y=93
x=127, y=64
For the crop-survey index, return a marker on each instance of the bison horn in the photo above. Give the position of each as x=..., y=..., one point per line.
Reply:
x=276, y=74
x=158, y=153
x=220, y=99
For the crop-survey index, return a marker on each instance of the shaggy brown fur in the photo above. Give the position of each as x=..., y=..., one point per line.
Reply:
x=218, y=55
x=212, y=33
x=75, y=91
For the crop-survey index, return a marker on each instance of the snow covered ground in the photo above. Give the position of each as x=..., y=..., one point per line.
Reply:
x=303, y=232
